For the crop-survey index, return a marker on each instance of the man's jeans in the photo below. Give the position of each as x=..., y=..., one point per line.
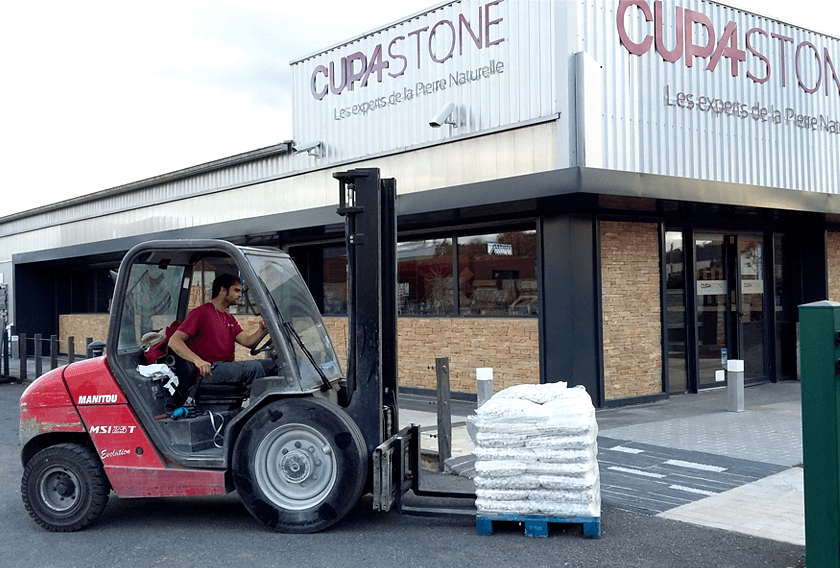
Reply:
x=240, y=372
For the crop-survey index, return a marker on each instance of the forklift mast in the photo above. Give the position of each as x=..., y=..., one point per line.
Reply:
x=368, y=206
x=367, y=203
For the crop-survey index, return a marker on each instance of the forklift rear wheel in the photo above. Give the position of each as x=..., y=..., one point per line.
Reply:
x=64, y=488
x=300, y=465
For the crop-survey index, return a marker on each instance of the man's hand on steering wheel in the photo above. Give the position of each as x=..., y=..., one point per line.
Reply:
x=256, y=349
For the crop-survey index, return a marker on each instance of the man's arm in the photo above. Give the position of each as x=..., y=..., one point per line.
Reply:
x=178, y=344
x=249, y=339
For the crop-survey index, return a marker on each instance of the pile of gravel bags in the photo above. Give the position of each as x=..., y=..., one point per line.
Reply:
x=536, y=452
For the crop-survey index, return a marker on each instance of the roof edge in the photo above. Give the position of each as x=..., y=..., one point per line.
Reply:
x=245, y=157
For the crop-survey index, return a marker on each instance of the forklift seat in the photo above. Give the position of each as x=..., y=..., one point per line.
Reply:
x=195, y=391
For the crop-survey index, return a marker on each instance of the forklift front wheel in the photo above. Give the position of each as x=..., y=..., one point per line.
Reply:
x=300, y=465
x=64, y=488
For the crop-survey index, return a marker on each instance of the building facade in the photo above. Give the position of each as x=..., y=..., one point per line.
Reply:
x=605, y=193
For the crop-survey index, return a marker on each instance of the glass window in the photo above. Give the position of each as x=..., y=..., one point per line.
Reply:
x=424, y=277
x=151, y=301
x=675, y=288
x=201, y=289
x=335, y=281
x=292, y=298
x=497, y=274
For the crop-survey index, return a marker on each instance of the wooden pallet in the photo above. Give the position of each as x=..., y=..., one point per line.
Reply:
x=537, y=525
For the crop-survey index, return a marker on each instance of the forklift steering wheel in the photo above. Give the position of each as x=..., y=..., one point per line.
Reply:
x=257, y=348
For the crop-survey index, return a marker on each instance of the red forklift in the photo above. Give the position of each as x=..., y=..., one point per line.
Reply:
x=300, y=448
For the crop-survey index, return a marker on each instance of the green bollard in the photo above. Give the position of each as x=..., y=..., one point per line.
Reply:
x=819, y=333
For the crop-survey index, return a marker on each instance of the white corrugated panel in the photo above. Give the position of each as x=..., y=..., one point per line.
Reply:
x=492, y=59
x=649, y=125
x=168, y=193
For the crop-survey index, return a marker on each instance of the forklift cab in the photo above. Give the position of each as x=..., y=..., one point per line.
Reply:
x=158, y=283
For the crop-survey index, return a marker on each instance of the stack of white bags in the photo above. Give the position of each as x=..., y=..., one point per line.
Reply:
x=536, y=452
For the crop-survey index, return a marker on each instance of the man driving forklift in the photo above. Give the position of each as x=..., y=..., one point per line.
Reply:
x=208, y=335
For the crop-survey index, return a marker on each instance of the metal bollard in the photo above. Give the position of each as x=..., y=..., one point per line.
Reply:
x=39, y=352
x=5, y=348
x=53, y=351
x=735, y=385
x=484, y=384
x=444, y=409
x=22, y=355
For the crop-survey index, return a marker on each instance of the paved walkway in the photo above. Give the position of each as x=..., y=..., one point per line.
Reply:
x=689, y=459
x=767, y=435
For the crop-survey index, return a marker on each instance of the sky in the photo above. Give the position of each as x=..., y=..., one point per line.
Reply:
x=98, y=94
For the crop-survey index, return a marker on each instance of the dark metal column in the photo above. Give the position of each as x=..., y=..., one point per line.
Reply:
x=367, y=203
x=570, y=323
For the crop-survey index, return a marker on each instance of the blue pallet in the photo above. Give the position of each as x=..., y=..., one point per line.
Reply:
x=537, y=525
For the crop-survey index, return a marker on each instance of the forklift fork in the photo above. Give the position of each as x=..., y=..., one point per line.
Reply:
x=396, y=470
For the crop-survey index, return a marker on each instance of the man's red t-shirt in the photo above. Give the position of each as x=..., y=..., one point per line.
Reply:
x=212, y=333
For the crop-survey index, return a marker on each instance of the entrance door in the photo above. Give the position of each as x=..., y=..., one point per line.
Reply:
x=730, y=304
x=750, y=313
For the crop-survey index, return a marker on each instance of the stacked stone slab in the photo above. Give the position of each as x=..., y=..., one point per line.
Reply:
x=536, y=452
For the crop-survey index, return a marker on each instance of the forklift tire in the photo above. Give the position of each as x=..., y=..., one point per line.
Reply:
x=64, y=487
x=300, y=464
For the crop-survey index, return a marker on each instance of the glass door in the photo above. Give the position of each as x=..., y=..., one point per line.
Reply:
x=729, y=276
x=712, y=301
x=750, y=307
x=785, y=308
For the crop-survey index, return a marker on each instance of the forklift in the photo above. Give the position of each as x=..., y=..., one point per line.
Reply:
x=299, y=448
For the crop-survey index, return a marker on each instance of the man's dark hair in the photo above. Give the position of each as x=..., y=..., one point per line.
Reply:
x=224, y=281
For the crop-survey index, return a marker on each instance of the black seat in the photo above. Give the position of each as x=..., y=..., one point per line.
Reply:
x=195, y=391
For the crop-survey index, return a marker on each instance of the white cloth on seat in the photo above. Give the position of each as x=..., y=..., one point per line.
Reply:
x=160, y=371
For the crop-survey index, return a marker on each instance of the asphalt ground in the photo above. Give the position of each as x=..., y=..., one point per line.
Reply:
x=218, y=531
